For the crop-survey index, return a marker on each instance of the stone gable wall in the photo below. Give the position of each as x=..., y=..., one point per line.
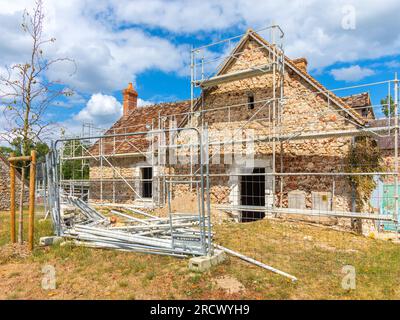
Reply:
x=388, y=160
x=303, y=111
x=5, y=187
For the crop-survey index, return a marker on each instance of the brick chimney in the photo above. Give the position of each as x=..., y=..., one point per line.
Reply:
x=129, y=99
x=301, y=63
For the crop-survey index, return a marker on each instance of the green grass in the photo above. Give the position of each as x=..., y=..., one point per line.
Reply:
x=315, y=255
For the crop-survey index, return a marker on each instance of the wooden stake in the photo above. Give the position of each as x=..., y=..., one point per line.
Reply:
x=12, y=201
x=32, y=184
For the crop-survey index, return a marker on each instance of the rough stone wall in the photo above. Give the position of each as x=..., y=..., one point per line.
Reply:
x=303, y=111
x=121, y=181
x=338, y=187
x=388, y=160
x=106, y=183
x=5, y=187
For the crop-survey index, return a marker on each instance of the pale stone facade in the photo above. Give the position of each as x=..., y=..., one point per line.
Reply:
x=388, y=160
x=304, y=110
x=5, y=185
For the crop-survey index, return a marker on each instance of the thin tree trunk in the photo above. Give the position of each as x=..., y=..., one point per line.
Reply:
x=21, y=207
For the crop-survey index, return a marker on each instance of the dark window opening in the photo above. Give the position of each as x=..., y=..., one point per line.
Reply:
x=250, y=101
x=252, y=193
x=147, y=182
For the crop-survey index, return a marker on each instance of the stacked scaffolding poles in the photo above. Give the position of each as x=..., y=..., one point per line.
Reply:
x=181, y=238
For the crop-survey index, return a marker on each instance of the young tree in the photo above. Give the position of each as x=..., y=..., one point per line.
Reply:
x=27, y=92
x=387, y=106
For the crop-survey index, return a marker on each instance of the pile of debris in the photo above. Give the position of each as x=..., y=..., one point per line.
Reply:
x=178, y=235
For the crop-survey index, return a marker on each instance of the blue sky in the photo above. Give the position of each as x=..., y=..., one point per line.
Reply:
x=148, y=43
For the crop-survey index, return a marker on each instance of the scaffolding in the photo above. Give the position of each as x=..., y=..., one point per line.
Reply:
x=275, y=128
x=177, y=234
x=302, y=134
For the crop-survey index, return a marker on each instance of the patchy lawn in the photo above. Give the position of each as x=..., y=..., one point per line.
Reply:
x=315, y=255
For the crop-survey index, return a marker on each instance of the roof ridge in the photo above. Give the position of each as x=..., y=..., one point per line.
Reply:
x=158, y=104
x=312, y=79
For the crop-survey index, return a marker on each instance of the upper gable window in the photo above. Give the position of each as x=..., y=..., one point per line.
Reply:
x=250, y=101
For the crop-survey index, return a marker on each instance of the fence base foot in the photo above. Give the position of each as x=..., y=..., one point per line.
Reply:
x=48, y=241
x=204, y=263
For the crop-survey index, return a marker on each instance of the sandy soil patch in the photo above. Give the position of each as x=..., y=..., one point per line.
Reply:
x=229, y=284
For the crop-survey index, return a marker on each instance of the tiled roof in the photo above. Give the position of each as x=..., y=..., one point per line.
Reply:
x=358, y=100
x=139, y=120
x=384, y=143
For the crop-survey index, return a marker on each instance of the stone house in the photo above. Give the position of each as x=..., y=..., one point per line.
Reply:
x=5, y=184
x=121, y=177
x=307, y=107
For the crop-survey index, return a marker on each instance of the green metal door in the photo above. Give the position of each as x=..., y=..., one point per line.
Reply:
x=388, y=205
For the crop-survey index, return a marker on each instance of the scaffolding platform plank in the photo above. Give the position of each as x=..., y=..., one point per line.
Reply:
x=234, y=76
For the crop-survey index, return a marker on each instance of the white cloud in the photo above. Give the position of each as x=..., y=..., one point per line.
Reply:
x=393, y=64
x=100, y=110
x=178, y=16
x=104, y=110
x=107, y=57
x=3, y=123
x=109, y=44
x=313, y=28
x=112, y=43
x=352, y=73
x=144, y=103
